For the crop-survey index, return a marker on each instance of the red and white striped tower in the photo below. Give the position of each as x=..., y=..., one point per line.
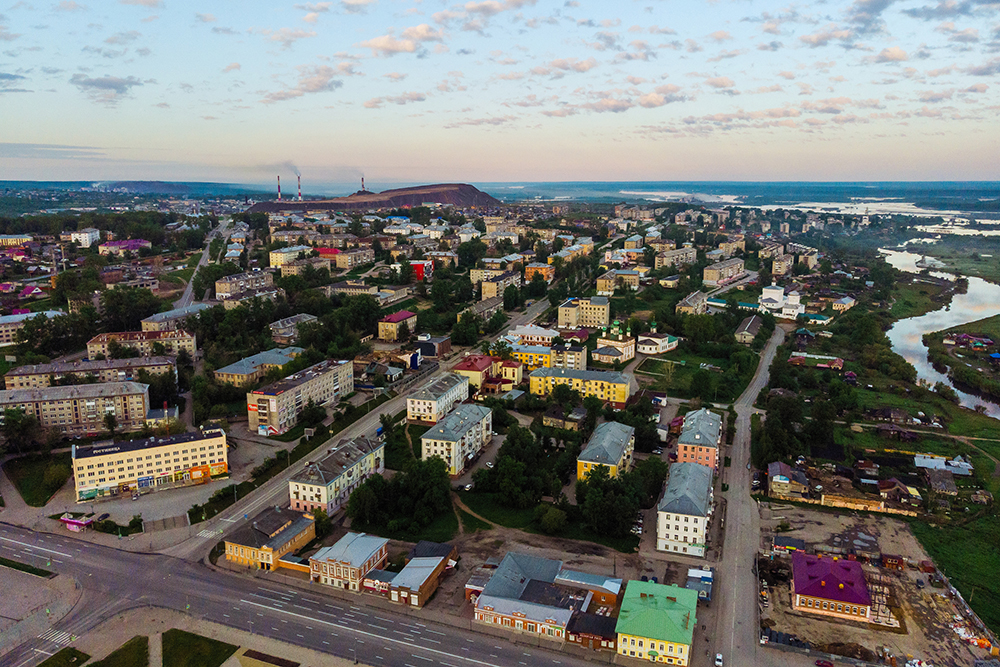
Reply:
x=279, y=188
x=300, y=186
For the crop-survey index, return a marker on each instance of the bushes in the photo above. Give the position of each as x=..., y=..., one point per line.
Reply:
x=112, y=528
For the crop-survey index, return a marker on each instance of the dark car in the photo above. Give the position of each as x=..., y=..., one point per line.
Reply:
x=823, y=663
x=103, y=516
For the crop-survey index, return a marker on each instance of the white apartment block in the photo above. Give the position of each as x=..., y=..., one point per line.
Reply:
x=328, y=483
x=684, y=512
x=81, y=409
x=431, y=402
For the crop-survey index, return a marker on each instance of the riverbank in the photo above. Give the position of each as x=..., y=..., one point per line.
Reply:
x=963, y=353
x=958, y=258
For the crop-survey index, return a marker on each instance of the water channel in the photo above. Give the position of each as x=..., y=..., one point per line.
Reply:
x=980, y=301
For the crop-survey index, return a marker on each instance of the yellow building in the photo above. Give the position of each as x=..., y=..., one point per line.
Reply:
x=109, y=370
x=611, y=447
x=80, y=409
x=609, y=386
x=146, y=342
x=657, y=622
x=262, y=541
x=284, y=255
x=389, y=326
x=150, y=463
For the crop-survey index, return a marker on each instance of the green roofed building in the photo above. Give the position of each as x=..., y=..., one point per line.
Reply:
x=657, y=622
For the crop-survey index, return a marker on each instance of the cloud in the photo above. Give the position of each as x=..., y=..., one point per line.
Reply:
x=609, y=105
x=867, y=15
x=692, y=46
x=49, y=151
x=315, y=6
x=824, y=37
x=106, y=89
x=405, y=98
x=665, y=94
x=656, y=30
x=561, y=112
x=934, y=96
x=224, y=31
x=977, y=88
x=394, y=76
x=123, y=37
x=776, y=88
x=6, y=35
x=769, y=46
x=286, y=36
x=388, y=45
x=231, y=67
x=312, y=79
x=893, y=54
x=493, y=121
x=786, y=75
x=206, y=18
x=986, y=69
x=724, y=54
x=355, y=6
x=944, y=9
x=494, y=7
x=143, y=3
x=720, y=82
x=69, y=6
x=720, y=36
x=573, y=65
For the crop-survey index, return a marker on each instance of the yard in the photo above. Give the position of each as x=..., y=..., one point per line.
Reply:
x=39, y=477
x=186, y=649
x=133, y=653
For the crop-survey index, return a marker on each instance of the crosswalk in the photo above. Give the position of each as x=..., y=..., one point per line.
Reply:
x=57, y=637
x=208, y=533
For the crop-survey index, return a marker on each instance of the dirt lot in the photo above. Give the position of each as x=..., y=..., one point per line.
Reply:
x=925, y=615
x=23, y=595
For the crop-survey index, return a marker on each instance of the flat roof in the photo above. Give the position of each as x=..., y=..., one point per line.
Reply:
x=14, y=319
x=416, y=572
x=177, y=313
x=87, y=451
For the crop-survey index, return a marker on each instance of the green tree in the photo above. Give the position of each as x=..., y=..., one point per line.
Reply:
x=20, y=430
x=111, y=423
x=324, y=525
x=553, y=520
x=124, y=308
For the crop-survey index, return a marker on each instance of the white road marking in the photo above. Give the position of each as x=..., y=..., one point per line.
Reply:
x=423, y=658
x=372, y=635
x=31, y=546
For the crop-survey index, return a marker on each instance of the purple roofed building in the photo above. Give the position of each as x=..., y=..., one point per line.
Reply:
x=831, y=586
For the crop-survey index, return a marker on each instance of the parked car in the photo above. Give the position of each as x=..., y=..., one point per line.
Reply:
x=823, y=663
x=103, y=516
x=489, y=464
x=658, y=451
x=718, y=660
x=468, y=487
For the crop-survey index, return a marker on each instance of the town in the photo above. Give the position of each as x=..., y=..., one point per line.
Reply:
x=670, y=433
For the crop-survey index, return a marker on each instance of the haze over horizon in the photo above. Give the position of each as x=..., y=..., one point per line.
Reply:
x=500, y=90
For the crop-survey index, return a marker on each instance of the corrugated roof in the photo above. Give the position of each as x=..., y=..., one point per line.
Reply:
x=607, y=444
x=82, y=391
x=249, y=365
x=438, y=387
x=701, y=429
x=354, y=549
x=689, y=490
x=462, y=419
x=416, y=572
x=655, y=611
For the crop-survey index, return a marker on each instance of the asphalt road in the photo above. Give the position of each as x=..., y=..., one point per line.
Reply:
x=188, y=297
x=114, y=581
x=737, y=634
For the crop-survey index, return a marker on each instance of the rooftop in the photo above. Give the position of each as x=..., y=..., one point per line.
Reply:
x=608, y=443
x=249, y=365
x=345, y=454
x=655, y=611
x=416, y=572
x=303, y=376
x=86, y=451
x=85, y=367
x=14, y=319
x=830, y=578
x=292, y=321
x=135, y=336
x=79, y=391
x=438, y=387
x=689, y=490
x=353, y=549
x=398, y=316
x=701, y=429
x=592, y=376
x=459, y=421
x=270, y=529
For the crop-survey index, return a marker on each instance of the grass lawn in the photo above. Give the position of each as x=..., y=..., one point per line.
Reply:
x=969, y=558
x=442, y=529
x=171, y=278
x=989, y=326
x=675, y=378
x=67, y=657
x=471, y=524
x=41, y=304
x=415, y=431
x=185, y=649
x=914, y=299
x=193, y=260
x=14, y=565
x=133, y=653
x=27, y=473
x=183, y=274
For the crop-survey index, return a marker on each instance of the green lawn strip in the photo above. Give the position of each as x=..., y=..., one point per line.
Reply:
x=133, y=653
x=415, y=431
x=30, y=569
x=67, y=657
x=226, y=496
x=471, y=524
x=486, y=506
x=912, y=299
x=27, y=473
x=968, y=556
x=185, y=649
x=442, y=529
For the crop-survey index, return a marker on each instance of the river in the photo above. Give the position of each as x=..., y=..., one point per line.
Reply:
x=980, y=301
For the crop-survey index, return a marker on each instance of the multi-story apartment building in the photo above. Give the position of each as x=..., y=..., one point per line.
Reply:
x=39, y=376
x=80, y=409
x=109, y=469
x=577, y=312
x=261, y=542
x=328, y=483
x=782, y=265
x=494, y=287
x=274, y=409
x=479, y=275
x=10, y=240
x=685, y=510
x=119, y=248
x=147, y=343
x=354, y=287
x=610, y=446
x=677, y=258
x=656, y=622
x=85, y=237
x=353, y=258
x=532, y=334
x=172, y=319
x=230, y=286
x=11, y=324
x=346, y=563
x=286, y=331
x=253, y=368
x=459, y=437
x=615, y=278
x=723, y=272
x=390, y=325
x=609, y=386
x=245, y=298
x=546, y=271
x=634, y=242
x=282, y=255
x=695, y=303
x=700, y=438
x=431, y=402
x=297, y=267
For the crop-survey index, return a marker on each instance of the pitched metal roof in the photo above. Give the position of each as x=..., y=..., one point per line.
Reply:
x=701, y=429
x=607, y=444
x=689, y=490
x=355, y=549
x=655, y=611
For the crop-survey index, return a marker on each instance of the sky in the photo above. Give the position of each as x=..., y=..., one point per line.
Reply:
x=499, y=90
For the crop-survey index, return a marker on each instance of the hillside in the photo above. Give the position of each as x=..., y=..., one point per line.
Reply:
x=450, y=194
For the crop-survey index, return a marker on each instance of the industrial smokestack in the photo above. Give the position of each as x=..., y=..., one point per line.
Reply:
x=300, y=186
x=362, y=183
x=279, y=187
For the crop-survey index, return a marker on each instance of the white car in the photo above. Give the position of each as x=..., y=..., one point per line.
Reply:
x=718, y=660
x=489, y=464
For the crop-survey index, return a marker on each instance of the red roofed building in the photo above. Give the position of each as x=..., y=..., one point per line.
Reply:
x=390, y=325
x=830, y=586
x=490, y=374
x=328, y=252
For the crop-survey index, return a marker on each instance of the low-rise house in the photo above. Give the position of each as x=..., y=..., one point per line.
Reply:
x=653, y=343
x=657, y=622
x=557, y=417
x=546, y=271
x=391, y=326
x=460, y=437
x=329, y=482
x=844, y=304
x=268, y=536
x=610, y=446
x=286, y=331
x=748, y=329
x=783, y=480
x=941, y=481
x=695, y=303
x=830, y=586
x=433, y=346
x=685, y=510
x=346, y=563
x=253, y=368
x=531, y=334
